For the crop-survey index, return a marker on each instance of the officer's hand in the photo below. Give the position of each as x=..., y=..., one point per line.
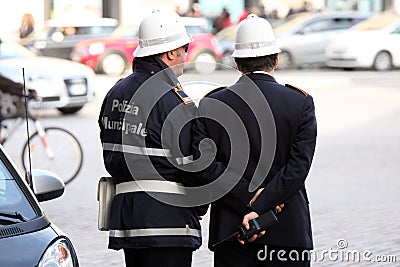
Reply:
x=32, y=94
x=256, y=196
x=245, y=223
x=279, y=208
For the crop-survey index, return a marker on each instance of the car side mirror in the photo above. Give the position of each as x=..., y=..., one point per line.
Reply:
x=46, y=185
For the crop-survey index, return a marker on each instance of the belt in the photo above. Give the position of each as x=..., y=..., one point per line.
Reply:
x=159, y=186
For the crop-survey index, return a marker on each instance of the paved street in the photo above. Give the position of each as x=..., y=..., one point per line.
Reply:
x=353, y=186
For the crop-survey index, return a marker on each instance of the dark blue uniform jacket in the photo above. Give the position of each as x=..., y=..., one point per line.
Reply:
x=277, y=143
x=133, y=115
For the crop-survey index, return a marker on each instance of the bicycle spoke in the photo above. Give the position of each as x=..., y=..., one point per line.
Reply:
x=66, y=153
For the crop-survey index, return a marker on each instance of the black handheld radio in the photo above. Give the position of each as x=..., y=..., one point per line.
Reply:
x=256, y=226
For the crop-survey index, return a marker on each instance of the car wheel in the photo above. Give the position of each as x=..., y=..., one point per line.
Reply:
x=383, y=61
x=205, y=63
x=70, y=110
x=112, y=64
x=285, y=60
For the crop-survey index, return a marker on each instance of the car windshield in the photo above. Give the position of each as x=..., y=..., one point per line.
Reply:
x=14, y=206
x=101, y=26
x=228, y=33
x=14, y=50
x=291, y=22
x=377, y=22
x=195, y=29
x=125, y=31
x=44, y=33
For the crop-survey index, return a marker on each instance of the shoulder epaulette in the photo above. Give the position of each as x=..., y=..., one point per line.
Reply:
x=182, y=95
x=215, y=90
x=296, y=88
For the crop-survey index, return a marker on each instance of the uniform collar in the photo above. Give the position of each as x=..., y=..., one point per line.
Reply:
x=261, y=75
x=148, y=65
x=152, y=65
x=262, y=72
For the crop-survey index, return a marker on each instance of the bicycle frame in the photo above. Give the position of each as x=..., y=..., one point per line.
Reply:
x=46, y=147
x=10, y=130
x=18, y=121
x=42, y=134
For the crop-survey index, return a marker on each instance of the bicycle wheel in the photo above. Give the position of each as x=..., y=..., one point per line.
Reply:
x=67, y=153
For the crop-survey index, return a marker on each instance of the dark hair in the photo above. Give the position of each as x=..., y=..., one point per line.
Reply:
x=250, y=64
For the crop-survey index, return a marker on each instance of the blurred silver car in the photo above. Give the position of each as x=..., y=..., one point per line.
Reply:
x=373, y=43
x=304, y=37
x=59, y=83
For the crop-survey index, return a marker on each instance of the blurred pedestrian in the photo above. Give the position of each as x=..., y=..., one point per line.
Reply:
x=307, y=7
x=261, y=12
x=178, y=10
x=27, y=25
x=222, y=21
x=244, y=14
x=195, y=11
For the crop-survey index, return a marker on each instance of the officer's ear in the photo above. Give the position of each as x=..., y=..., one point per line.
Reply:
x=237, y=65
x=168, y=57
x=171, y=55
x=276, y=62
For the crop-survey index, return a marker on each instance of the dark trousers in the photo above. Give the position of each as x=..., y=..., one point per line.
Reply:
x=231, y=254
x=166, y=257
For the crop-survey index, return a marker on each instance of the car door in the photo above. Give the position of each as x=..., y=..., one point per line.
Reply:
x=57, y=42
x=316, y=35
x=62, y=39
x=395, y=46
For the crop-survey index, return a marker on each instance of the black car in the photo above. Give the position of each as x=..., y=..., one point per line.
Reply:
x=27, y=237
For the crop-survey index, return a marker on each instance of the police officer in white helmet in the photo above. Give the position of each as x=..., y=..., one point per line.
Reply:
x=141, y=149
x=254, y=98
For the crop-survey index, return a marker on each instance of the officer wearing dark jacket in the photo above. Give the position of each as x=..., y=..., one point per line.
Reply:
x=142, y=149
x=280, y=132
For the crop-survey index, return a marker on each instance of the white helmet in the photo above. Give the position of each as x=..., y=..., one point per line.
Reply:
x=161, y=32
x=254, y=38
